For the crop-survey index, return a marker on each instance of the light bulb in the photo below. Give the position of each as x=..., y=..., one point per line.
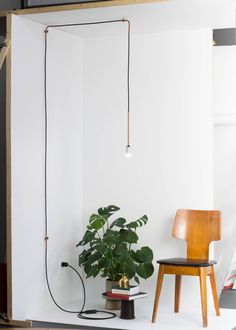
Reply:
x=128, y=153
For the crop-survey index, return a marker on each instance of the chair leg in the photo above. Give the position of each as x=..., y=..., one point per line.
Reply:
x=178, y=280
x=203, y=289
x=214, y=292
x=158, y=292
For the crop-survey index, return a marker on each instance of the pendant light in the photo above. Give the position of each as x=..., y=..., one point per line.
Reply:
x=128, y=149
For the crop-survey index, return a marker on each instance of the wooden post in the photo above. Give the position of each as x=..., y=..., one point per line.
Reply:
x=78, y=6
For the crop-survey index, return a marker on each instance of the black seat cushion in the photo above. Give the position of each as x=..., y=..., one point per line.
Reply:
x=187, y=262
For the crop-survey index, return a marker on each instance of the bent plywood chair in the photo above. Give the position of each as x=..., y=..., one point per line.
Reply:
x=198, y=229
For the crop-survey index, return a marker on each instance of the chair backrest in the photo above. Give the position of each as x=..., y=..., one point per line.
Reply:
x=199, y=229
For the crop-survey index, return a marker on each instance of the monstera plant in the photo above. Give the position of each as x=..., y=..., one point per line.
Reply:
x=109, y=247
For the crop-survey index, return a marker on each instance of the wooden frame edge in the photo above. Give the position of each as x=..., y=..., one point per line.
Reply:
x=4, y=13
x=85, y=5
x=17, y=323
x=8, y=171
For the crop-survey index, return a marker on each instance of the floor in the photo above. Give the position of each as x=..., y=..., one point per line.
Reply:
x=44, y=325
x=228, y=299
x=189, y=318
x=48, y=326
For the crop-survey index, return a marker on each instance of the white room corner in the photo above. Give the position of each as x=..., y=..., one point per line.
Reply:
x=71, y=87
x=170, y=101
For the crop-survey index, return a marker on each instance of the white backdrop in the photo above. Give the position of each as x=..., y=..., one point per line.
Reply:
x=171, y=166
x=171, y=120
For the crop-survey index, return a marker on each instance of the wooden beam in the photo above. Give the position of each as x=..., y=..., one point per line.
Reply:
x=8, y=171
x=85, y=5
x=4, y=51
x=4, y=13
x=17, y=323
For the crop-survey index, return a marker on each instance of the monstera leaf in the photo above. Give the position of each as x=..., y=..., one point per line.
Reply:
x=96, y=222
x=145, y=270
x=106, y=212
x=138, y=223
x=145, y=254
x=118, y=223
x=108, y=247
x=88, y=237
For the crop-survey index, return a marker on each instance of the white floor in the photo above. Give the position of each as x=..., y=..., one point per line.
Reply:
x=166, y=319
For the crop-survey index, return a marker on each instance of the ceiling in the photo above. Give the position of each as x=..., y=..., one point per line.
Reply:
x=146, y=18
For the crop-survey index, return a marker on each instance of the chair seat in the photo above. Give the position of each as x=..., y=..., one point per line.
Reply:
x=187, y=262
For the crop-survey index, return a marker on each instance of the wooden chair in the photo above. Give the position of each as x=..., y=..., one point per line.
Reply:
x=198, y=228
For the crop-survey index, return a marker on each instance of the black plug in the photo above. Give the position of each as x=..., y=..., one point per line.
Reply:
x=64, y=264
x=90, y=311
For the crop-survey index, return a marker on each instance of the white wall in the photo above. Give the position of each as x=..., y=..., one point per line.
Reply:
x=65, y=181
x=224, y=108
x=171, y=119
x=224, y=79
x=171, y=166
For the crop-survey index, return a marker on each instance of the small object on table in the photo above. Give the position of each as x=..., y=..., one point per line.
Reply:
x=125, y=296
x=132, y=289
x=124, y=282
x=127, y=303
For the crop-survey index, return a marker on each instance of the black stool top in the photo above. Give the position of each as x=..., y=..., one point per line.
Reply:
x=187, y=262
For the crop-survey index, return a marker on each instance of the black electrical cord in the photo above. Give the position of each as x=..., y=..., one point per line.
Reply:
x=95, y=311
x=122, y=20
x=128, y=59
x=81, y=313
x=45, y=184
